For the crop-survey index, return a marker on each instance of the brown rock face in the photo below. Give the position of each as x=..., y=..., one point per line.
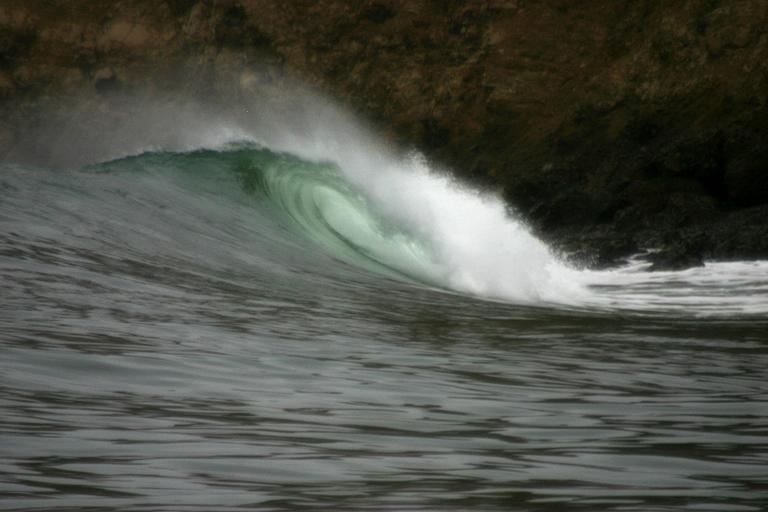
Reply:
x=609, y=124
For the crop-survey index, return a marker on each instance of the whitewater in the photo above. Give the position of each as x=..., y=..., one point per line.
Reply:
x=273, y=309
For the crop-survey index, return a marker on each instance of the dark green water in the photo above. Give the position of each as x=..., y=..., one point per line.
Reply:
x=242, y=330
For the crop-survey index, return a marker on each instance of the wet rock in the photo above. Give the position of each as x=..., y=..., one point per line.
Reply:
x=740, y=234
x=746, y=177
x=597, y=247
x=678, y=254
x=7, y=87
x=378, y=13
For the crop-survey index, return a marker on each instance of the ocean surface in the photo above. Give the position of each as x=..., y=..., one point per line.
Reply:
x=239, y=326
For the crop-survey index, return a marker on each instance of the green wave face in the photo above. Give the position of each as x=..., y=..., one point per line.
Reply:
x=309, y=199
x=314, y=199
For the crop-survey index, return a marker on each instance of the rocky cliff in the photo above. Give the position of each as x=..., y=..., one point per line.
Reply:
x=611, y=125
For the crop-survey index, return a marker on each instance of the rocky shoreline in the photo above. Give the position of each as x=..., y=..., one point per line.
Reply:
x=612, y=127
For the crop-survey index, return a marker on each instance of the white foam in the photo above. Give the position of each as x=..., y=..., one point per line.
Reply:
x=715, y=289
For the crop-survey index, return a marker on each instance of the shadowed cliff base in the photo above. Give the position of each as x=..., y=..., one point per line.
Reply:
x=611, y=126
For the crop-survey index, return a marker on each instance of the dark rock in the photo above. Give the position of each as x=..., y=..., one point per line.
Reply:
x=678, y=253
x=107, y=84
x=599, y=247
x=740, y=234
x=378, y=13
x=180, y=7
x=746, y=177
x=14, y=47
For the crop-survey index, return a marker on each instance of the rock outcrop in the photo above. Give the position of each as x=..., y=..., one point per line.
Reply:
x=610, y=125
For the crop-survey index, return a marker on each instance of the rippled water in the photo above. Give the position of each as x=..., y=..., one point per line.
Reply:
x=240, y=329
